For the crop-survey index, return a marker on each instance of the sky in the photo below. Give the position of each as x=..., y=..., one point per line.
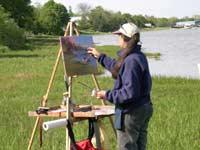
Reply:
x=157, y=8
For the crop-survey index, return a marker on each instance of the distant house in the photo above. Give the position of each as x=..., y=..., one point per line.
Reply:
x=185, y=24
x=75, y=19
x=148, y=25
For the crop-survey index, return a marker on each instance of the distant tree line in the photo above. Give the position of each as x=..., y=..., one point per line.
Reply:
x=18, y=17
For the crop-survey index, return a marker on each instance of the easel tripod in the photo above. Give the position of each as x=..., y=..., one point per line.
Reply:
x=71, y=27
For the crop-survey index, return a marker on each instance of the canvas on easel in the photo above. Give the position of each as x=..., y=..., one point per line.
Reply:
x=76, y=59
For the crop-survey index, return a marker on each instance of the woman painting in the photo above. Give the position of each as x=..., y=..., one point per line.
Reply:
x=131, y=91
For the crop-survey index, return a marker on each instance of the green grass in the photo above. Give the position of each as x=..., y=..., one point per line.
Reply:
x=176, y=121
x=24, y=77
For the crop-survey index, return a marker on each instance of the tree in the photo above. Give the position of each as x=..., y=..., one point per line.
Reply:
x=10, y=34
x=70, y=11
x=101, y=19
x=162, y=22
x=84, y=10
x=36, y=26
x=53, y=18
x=152, y=20
x=127, y=18
x=172, y=21
x=139, y=20
x=20, y=11
x=115, y=20
x=196, y=17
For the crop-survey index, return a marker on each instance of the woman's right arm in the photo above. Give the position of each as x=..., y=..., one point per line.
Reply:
x=104, y=60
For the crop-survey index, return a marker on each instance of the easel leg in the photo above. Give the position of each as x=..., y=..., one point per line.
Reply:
x=33, y=133
x=40, y=128
x=97, y=134
x=43, y=103
x=103, y=103
x=68, y=115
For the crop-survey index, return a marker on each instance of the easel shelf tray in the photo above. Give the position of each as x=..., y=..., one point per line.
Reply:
x=81, y=111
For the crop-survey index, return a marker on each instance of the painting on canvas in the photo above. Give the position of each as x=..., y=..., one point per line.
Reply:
x=76, y=59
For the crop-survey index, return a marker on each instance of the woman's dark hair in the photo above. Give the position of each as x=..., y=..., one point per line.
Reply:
x=131, y=43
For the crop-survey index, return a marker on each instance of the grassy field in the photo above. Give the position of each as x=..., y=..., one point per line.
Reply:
x=24, y=76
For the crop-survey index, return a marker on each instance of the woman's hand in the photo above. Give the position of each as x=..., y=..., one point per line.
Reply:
x=101, y=94
x=94, y=52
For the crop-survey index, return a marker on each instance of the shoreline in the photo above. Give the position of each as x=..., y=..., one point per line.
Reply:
x=84, y=32
x=107, y=74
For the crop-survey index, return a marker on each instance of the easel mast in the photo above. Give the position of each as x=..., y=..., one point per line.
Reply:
x=71, y=27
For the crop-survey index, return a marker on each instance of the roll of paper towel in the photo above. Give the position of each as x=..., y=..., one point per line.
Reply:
x=54, y=124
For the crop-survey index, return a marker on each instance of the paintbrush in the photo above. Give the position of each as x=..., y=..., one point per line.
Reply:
x=94, y=91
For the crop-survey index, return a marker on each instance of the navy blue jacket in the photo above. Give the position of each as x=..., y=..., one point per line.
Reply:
x=133, y=84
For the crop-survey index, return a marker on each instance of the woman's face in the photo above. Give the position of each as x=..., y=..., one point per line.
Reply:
x=121, y=42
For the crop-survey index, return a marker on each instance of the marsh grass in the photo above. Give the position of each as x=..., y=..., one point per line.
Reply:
x=24, y=77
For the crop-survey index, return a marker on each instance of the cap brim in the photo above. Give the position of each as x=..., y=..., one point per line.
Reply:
x=117, y=32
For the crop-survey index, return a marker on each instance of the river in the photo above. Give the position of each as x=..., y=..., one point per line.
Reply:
x=179, y=49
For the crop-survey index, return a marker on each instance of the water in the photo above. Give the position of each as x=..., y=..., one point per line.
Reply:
x=179, y=48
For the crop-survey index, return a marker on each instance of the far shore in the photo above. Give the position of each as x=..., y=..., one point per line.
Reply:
x=142, y=30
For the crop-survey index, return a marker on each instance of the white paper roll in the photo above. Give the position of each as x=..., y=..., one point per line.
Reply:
x=54, y=124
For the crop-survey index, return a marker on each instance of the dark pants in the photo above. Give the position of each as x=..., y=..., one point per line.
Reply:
x=134, y=134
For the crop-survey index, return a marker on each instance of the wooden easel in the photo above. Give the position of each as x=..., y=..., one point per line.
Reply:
x=71, y=27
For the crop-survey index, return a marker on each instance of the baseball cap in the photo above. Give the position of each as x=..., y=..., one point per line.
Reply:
x=128, y=29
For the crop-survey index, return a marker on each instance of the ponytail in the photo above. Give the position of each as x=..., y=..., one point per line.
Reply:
x=131, y=44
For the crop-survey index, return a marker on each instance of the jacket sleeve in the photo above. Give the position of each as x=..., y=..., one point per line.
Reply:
x=130, y=88
x=106, y=62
